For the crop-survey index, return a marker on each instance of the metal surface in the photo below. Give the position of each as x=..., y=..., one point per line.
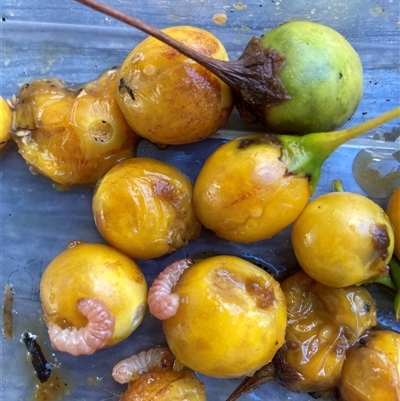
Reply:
x=43, y=38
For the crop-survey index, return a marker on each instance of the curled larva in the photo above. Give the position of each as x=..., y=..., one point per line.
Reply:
x=85, y=340
x=131, y=368
x=162, y=303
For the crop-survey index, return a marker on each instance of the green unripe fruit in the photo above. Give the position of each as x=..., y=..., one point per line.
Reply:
x=322, y=74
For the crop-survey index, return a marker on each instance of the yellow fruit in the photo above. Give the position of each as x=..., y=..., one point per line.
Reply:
x=72, y=137
x=243, y=192
x=322, y=74
x=169, y=99
x=231, y=318
x=393, y=212
x=144, y=207
x=343, y=238
x=5, y=122
x=323, y=323
x=165, y=385
x=371, y=371
x=94, y=271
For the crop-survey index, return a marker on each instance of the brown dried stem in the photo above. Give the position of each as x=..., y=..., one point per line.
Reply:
x=254, y=77
x=249, y=384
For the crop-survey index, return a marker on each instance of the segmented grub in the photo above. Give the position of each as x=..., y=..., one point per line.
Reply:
x=85, y=340
x=130, y=369
x=162, y=303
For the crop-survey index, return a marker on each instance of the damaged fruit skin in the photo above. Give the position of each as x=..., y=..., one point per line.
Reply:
x=94, y=271
x=343, y=238
x=323, y=323
x=244, y=193
x=371, y=371
x=231, y=318
x=144, y=208
x=322, y=75
x=169, y=99
x=72, y=136
x=165, y=385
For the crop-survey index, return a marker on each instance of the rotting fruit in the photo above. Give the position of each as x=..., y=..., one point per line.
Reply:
x=343, y=238
x=393, y=212
x=150, y=376
x=72, y=136
x=169, y=99
x=254, y=186
x=322, y=74
x=315, y=62
x=371, y=371
x=144, y=207
x=323, y=323
x=165, y=385
x=229, y=315
x=5, y=122
x=93, y=296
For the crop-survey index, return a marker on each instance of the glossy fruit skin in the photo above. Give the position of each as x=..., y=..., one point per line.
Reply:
x=99, y=271
x=243, y=192
x=169, y=99
x=231, y=318
x=322, y=74
x=143, y=207
x=393, y=212
x=5, y=122
x=371, y=371
x=72, y=137
x=323, y=323
x=165, y=385
x=343, y=238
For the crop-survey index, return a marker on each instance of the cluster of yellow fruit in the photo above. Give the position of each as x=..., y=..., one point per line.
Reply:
x=232, y=317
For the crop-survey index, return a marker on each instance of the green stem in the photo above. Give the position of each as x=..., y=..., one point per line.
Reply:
x=338, y=185
x=304, y=155
x=387, y=282
x=394, y=266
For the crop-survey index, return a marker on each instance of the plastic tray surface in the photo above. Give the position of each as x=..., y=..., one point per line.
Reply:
x=63, y=39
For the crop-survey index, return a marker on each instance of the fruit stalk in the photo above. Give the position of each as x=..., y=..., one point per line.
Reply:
x=304, y=155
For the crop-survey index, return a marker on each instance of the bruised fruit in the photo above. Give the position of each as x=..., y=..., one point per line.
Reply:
x=72, y=137
x=144, y=207
x=230, y=318
x=165, y=385
x=343, y=238
x=168, y=98
x=323, y=323
x=371, y=371
x=87, y=290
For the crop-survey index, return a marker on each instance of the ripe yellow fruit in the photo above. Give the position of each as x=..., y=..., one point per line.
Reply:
x=231, y=318
x=165, y=385
x=371, y=371
x=5, y=122
x=168, y=98
x=343, y=238
x=94, y=271
x=144, y=207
